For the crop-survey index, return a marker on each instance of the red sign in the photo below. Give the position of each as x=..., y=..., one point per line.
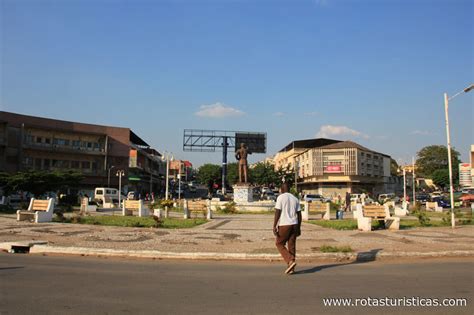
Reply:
x=333, y=169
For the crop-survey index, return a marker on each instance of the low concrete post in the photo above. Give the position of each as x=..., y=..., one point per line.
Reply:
x=305, y=212
x=327, y=214
x=358, y=212
x=186, y=209
x=209, y=210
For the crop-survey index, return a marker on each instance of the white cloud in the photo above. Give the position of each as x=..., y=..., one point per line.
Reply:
x=421, y=133
x=279, y=114
x=218, y=110
x=329, y=131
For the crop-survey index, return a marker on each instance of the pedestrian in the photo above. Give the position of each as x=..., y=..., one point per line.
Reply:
x=362, y=197
x=287, y=226
x=348, y=201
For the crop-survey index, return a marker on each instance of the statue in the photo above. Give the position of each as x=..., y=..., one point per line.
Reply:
x=241, y=156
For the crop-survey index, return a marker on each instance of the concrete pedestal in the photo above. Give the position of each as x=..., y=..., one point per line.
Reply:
x=242, y=193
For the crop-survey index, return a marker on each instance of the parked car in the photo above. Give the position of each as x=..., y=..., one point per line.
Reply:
x=315, y=197
x=444, y=203
x=269, y=195
x=422, y=198
x=192, y=189
x=388, y=197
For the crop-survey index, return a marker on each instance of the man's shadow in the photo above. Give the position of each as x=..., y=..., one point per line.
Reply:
x=362, y=257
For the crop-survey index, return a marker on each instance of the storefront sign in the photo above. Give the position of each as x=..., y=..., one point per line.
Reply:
x=333, y=169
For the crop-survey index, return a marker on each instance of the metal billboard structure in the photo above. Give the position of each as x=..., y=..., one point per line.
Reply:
x=198, y=140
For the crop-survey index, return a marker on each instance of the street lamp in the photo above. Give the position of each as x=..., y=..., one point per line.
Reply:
x=446, y=107
x=120, y=173
x=167, y=156
x=108, y=177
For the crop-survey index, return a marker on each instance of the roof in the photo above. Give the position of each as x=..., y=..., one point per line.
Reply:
x=309, y=143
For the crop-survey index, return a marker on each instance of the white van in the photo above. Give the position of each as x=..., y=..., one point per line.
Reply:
x=103, y=195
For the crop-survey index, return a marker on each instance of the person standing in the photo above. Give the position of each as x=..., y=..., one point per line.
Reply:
x=348, y=201
x=287, y=226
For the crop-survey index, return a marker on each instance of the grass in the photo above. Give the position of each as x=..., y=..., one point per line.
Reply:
x=335, y=249
x=169, y=223
x=351, y=224
x=347, y=224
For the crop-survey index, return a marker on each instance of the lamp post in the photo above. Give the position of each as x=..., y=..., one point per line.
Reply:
x=414, y=182
x=120, y=173
x=108, y=177
x=448, y=138
x=167, y=156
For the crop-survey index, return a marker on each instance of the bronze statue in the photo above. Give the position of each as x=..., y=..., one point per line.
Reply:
x=241, y=155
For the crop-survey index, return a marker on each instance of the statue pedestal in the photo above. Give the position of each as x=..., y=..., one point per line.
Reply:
x=243, y=193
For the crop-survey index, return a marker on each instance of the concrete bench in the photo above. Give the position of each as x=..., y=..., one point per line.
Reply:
x=131, y=206
x=198, y=206
x=379, y=213
x=433, y=206
x=322, y=208
x=38, y=210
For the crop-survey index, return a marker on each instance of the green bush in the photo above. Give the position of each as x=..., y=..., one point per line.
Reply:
x=421, y=214
x=7, y=209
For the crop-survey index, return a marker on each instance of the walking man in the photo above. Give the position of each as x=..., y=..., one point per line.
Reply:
x=287, y=226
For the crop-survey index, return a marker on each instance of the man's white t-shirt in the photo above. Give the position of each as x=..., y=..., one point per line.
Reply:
x=289, y=205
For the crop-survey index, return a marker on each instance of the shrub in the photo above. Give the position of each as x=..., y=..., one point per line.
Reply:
x=423, y=218
x=230, y=207
x=335, y=249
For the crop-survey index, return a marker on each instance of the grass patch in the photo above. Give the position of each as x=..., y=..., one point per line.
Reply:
x=169, y=223
x=347, y=224
x=335, y=249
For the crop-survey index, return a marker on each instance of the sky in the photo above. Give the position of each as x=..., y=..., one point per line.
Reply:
x=369, y=71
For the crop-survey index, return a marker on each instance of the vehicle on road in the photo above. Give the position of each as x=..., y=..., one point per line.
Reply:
x=442, y=202
x=388, y=197
x=315, y=197
x=106, y=194
x=268, y=195
x=422, y=198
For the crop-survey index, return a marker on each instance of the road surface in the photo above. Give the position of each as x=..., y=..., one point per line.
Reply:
x=31, y=284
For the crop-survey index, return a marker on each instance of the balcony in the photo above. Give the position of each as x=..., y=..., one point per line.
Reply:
x=63, y=149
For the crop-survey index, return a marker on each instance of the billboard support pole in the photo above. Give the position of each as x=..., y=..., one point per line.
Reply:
x=224, y=163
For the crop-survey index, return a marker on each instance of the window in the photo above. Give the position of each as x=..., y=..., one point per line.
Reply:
x=47, y=140
x=46, y=163
x=89, y=145
x=94, y=165
x=76, y=143
x=75, y=164
x=86, y=165
x=39, y=140
x=38, y=164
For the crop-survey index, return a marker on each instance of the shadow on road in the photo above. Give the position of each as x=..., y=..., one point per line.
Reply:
x=362, y=257
x=10, y=268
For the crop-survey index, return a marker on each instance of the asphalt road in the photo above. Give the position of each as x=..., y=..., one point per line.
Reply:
x=31, y=284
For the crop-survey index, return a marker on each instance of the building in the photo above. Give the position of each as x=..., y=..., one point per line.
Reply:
x=98, y=152
x=465, y=175
x=343, y=166
x=182, y=168
x=285, y=158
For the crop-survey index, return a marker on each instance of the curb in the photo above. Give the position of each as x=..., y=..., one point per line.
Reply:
x=38, y=248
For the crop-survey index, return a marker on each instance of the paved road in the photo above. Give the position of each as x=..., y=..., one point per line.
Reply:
x=32, y=284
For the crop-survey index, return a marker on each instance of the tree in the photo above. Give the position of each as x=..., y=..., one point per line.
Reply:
x=208, y=174
x=435, y=157
x=264, y=174
x=441, y=177
x=39, y=182
x=232, y=173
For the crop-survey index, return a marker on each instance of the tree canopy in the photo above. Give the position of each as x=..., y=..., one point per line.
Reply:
x=39, y=182
x=435, y=157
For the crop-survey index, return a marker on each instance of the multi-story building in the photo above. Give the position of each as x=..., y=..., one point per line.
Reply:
x=342, y=166
x=98, y=152
x=285, y=158
x=181, y=167
x=465, y=179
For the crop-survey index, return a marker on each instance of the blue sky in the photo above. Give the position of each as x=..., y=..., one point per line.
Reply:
x=370, y=71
